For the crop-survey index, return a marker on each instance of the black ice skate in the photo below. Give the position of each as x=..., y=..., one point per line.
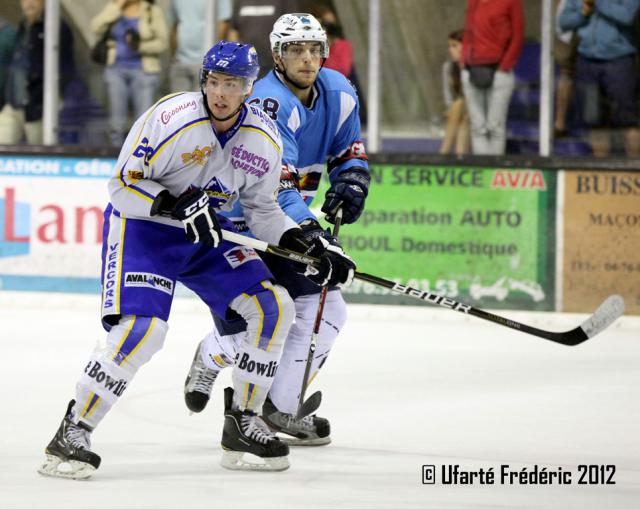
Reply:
x=245, y=433
x=198, y=385
x=68, y=454
x=310, y=430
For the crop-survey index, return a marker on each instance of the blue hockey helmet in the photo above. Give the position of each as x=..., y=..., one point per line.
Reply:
x=232, y=58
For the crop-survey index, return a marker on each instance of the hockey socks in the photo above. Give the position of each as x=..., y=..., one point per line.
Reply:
x=111, y=367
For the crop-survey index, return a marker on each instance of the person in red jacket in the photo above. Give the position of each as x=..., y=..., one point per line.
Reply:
x=491, y=45
x=340, y=50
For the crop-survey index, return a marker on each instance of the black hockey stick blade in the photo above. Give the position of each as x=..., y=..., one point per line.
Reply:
x=608, y=312
x=310, y=405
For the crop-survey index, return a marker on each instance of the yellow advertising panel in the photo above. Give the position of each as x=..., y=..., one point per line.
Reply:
x=601, y=239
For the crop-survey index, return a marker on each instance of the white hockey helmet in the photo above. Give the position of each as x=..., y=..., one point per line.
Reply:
x=297, y=27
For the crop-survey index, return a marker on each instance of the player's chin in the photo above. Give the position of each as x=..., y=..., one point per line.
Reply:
x=221, y=111
x=306, y=79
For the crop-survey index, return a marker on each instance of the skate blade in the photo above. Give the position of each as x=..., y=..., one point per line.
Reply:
x=235, y=460
x=302, y=442
x=55, y=467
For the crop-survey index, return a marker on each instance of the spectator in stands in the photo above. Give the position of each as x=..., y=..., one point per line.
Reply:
x=340, y=49
x=7, y=42
x=224, y=13
x=21, y=115
x=492, y=42
x=456, y=134
x=606, y=73
x=186, y=19
x=139, y=36
x=252, y=21
x=340, y=52
x=565, y=54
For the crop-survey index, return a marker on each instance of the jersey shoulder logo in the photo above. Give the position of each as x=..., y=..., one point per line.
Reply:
x=199, y=155
x=135, y=175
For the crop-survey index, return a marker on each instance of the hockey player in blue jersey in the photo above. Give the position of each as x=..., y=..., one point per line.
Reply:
x=188, y=157
x=316, y=111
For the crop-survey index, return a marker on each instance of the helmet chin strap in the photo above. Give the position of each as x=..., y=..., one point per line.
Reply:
x=283, y=72
x=228, y=116
x=206, y=105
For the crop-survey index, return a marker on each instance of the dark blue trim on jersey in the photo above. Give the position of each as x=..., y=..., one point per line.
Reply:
x=142, y=191
x=228, y=134
x=168, y=98
x=168, y=138
x=262, y=131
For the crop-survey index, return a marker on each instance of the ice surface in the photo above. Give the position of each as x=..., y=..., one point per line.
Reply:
x=404, y=387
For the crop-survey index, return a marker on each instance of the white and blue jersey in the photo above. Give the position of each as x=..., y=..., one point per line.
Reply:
x=174, y=147
x=324, y=135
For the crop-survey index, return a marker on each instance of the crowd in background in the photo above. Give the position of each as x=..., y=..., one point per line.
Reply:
x=22, y=83
x=595, y=52
x=606, y=70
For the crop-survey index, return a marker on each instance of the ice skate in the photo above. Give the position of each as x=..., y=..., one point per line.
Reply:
x=310, y=430
x=245, y=433
x=199, y=382
x=68, y=454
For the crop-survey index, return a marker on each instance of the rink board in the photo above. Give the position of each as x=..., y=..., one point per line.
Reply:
x=602, y=239
x=480, y=235
x=483, y=235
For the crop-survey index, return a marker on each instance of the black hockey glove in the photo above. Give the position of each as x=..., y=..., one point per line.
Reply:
x=336, y=268
x=164, y=204
x=199, y=219
x=348, y=192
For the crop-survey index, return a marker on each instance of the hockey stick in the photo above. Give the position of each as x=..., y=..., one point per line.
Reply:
x=608, y=312
x=311, y=405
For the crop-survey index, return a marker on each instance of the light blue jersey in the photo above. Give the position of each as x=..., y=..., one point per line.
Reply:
x=324, y=135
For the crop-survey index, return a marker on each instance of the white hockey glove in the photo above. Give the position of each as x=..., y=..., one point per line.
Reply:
x=199, y=219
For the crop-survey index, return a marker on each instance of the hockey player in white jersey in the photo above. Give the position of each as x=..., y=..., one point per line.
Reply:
x=188, y=157
x=316, y=111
